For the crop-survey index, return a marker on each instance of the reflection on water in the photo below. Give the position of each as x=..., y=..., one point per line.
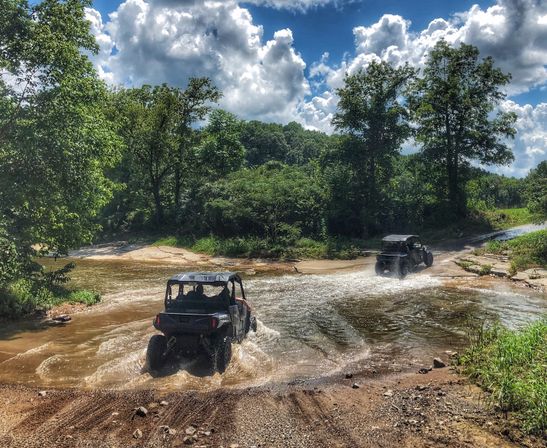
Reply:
x=309, y=326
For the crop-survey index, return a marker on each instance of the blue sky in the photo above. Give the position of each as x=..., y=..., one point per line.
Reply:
x=267, y=55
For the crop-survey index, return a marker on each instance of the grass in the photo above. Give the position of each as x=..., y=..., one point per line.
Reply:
x=524, y=252
x=512, y=367
x=22, y=297
x=254, y=247
x=501, y=219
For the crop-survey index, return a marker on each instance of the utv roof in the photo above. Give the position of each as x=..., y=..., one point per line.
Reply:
x=398, y=238
x=204, y=277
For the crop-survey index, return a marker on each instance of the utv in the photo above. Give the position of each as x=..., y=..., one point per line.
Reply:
x=194, y=322
x=401, y=254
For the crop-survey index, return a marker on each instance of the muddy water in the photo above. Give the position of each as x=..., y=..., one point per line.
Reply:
x=309, y=326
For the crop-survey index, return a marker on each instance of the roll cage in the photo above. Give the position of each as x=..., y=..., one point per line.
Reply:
x=229, y=281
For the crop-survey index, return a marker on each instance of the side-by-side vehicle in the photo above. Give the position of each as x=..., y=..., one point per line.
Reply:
x=204, y=312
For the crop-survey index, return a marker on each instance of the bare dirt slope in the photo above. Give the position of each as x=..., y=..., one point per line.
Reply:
x=438, y=409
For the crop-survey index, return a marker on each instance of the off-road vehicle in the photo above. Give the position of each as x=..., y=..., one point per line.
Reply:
x=401, y=254
x=204, y=312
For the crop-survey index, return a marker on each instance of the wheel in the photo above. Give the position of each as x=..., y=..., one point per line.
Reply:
x=428, y=259
x=379, y=268
x=222, y=354
x=155, y=354
x=402, y=271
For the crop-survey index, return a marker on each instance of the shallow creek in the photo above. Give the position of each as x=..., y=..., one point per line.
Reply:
x=308, y=326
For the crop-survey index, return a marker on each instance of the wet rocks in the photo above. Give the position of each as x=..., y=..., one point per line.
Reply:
x=438, y=363
x=137, y=434
x=141, y=411
x=62, y=318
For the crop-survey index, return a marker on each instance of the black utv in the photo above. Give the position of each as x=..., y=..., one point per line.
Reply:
x=401, y=254
x=204, y=312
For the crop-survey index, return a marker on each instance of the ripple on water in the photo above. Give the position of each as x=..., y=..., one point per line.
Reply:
x=308, y=326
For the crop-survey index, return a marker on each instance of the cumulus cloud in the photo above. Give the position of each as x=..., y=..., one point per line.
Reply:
x=513, y=32
x=159, y=41
x=530, y=145
x=263, y=77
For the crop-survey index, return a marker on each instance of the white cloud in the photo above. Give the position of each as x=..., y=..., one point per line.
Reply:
x=530, y=144
x=298, y=5
x=513, y=32
x=159, y=41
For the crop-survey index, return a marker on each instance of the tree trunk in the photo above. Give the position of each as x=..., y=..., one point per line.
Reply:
x=158, y=205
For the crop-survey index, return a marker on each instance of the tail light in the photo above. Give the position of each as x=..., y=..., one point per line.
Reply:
x=214, y=322
x=157, y=321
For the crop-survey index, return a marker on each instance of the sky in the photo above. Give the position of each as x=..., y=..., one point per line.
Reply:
x=282, y=60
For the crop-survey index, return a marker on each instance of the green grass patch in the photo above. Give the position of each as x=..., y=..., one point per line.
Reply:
x=23, y=297
x=501, y=219
x=512, y=367
x=524, y=252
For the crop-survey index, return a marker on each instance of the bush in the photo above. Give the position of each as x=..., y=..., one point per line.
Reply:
x=24, y=297
x=512, y=366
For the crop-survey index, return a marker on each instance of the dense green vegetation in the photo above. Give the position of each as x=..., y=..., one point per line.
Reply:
x=512, y=367
x=81, y=161
x=525, y=251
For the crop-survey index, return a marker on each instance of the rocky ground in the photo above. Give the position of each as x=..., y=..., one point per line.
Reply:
x=435, y=409
x=500, y=266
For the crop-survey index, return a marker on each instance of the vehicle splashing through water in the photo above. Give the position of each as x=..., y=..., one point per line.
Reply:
x=309, y=326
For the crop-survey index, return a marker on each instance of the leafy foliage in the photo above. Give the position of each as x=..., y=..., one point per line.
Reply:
x=452, y=105
x=512, y=366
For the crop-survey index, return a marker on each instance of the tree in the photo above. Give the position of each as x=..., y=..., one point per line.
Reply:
x=55, y=141
x=536, y=191
x=453, y=103
x=263, y=142
x=220, y=152
x=370, y=113
x=156, y=126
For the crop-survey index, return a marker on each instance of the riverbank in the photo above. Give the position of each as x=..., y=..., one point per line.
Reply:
x=368, y=410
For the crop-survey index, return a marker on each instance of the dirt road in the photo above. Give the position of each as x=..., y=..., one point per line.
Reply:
x=403, y=410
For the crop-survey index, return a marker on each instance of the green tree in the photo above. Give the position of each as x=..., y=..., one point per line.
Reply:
x=220, y=151
x=453, y=104
x=270, y=201
x=263, y=142
x=55, y=141
x=371, y=114
x=156, y=126
x=536, y=191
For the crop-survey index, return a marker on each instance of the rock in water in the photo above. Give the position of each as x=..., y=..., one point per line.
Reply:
x=438, y=363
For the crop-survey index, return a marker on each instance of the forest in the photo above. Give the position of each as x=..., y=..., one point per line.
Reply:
x=82, y=161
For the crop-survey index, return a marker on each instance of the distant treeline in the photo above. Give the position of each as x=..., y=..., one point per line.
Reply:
x=78, y=158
